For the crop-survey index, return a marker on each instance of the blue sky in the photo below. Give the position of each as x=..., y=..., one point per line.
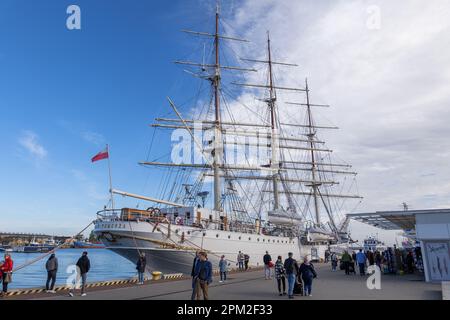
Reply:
x=65, y=93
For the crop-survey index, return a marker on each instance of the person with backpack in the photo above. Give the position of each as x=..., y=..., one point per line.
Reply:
x=140, y=267
x=307, y=273
x=346, y=259
x=280, y=275
x=52, y=268
x=291, y=267
x=267, y=259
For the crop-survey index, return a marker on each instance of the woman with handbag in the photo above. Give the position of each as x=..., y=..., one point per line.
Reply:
x=6, y=272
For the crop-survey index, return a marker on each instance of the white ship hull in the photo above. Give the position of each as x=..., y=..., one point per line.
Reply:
x=172, y=255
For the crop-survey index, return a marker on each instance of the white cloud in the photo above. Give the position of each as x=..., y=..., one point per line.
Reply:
x=388, y=87
x=30, y=141
x=93, y=137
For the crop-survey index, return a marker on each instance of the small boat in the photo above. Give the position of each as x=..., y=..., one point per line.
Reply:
x=34, y=247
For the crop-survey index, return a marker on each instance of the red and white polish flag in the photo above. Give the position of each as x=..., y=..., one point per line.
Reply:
x=101, y=155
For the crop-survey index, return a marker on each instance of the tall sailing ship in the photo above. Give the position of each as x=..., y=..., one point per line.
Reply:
x=273, y=181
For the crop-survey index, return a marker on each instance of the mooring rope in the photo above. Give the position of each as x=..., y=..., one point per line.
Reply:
x=50, y=252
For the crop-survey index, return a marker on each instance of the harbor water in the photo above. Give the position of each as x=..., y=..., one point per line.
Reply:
x=105, y=265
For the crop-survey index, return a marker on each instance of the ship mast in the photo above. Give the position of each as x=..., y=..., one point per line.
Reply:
x=219, y=170
x=311, y=136
x=217, y=125
x=272, y=105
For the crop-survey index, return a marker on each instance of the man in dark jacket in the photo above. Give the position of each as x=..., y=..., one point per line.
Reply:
x=267, y=259
x=202, y=275
x=246, y=261
x=52, y=268
x=291, y=267
x=194, y=264
x=83, y=267
x=140, y=267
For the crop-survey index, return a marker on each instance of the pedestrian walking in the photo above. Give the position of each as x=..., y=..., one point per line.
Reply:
x=6, y=269
x=140, y=267
x=223, y=269
x=327, y=256
x=334, y=262
x=240, y=259
x=52, y=269
x=202, y=276
x=280, y=275
x=83, y=267
x=378, y=259
x=307, y=273
x=194, y=265
x=291, y=267
x=246, y=261
x=371, y=258
x=346, y=259
x=267, y=259
x=361, y=260
x=410, y=262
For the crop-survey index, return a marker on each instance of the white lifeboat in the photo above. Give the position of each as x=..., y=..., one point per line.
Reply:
x=280, y=217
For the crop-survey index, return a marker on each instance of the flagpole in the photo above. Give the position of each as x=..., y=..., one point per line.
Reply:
x=110, y=179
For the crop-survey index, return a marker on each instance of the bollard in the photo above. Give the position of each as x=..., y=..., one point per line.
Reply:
x=156, y=275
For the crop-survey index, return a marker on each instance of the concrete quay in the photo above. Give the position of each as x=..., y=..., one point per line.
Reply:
x=251, y=285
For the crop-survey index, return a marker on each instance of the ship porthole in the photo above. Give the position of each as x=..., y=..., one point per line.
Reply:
x=249, y=239
x=204, y=234
x=240, y=238
x=229, y=237
x=217, y=235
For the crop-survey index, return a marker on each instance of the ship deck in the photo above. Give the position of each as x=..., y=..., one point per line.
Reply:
x=252, y=286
